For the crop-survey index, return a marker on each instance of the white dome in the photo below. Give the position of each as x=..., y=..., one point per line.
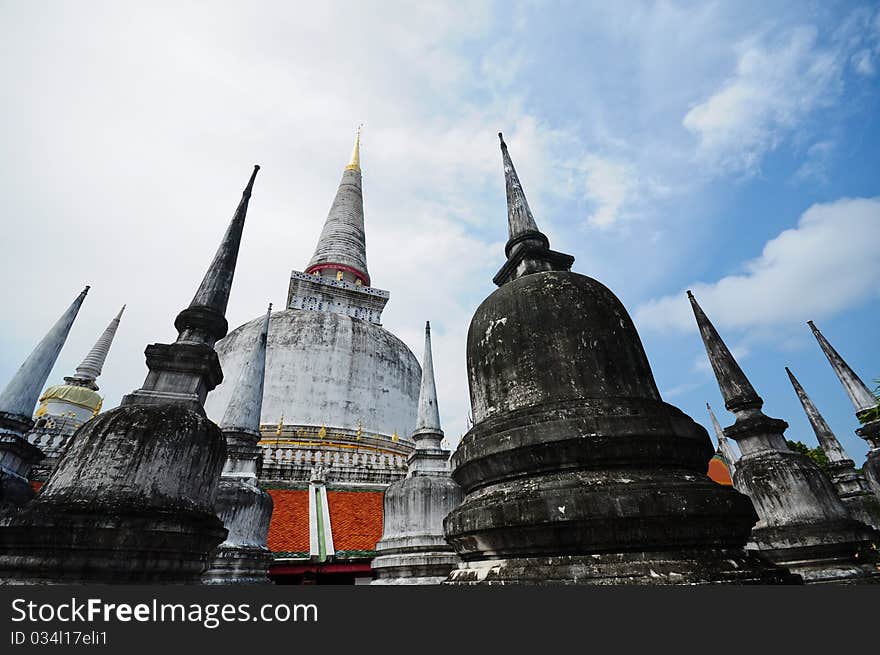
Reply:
x=325, y=368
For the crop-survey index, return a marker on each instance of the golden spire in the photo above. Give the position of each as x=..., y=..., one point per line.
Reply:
x=280, y=426
x=355, y=164
x=360, y=430
x=322, y=433
x=394, y=437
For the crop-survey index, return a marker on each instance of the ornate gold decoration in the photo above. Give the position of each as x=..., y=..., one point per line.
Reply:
x=355, y=164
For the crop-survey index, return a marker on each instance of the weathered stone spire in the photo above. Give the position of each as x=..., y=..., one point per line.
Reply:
x=244, y=508
x=851, y=485
x=204, y=321
x=185, y=371
x=18, y=398
x=17, y=401
x=827, y=440
x=528, y=249
x=736, y=389
x=858, y=392
x=243, y=412
x=803, y=525
x=88, y=371
x=863, y=401
x=520, y=221
x=412, y=549
x=342, y=244
x=133, y=496
x=727, y=452
x=428, y=433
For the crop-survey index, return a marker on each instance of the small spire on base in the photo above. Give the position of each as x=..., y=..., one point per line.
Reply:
x=527, y=249
x=88, y=371
x=428, y=433
x=827, y=439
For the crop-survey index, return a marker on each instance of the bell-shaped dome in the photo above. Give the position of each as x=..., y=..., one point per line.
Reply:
x=582, y=345
x=324, y=368
x=70, y=394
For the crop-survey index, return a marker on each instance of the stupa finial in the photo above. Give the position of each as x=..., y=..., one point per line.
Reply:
x=858, y=392
x=88, y=371
x=738, y=392
x=204, y=321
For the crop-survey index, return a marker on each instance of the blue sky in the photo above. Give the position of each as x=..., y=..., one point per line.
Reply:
x=731, y=148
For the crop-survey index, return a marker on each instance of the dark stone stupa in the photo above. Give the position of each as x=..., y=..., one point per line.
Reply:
x=803, y=524
x=576, y=471
x=132, y=498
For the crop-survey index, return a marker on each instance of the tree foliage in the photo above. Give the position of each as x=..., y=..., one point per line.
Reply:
x=816, y=454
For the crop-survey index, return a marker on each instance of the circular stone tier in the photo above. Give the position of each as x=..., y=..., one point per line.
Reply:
x=326, y=369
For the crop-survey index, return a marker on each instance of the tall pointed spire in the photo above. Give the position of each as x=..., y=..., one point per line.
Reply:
x=851, y=484
x=736, y=389
x=185, y=371
x=727, y=453
x=204, y=320
x=827, y=440
x=858, y=392
x=88, y=371
x=342, y=244
x=412, y=549
x=20, y=395
x=519, y=215
x=428, y=432
x=243, y=412
x=528, y=249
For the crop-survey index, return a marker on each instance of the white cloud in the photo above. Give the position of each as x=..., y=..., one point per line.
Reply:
x=815, y=164
x=609, y=185
x=863, y=61
x=772, y=90
x=615, y=190
x=827, y=264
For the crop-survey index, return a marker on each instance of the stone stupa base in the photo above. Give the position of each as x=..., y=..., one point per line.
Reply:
x=419, y=568
x=43, y=544
x=821, y=557
x=646, y=568
x=871, y=469
x=231, y=565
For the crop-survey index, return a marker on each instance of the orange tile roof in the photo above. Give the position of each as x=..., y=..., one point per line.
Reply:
x=718, y=471
x=355, y=517
x=289, y=527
